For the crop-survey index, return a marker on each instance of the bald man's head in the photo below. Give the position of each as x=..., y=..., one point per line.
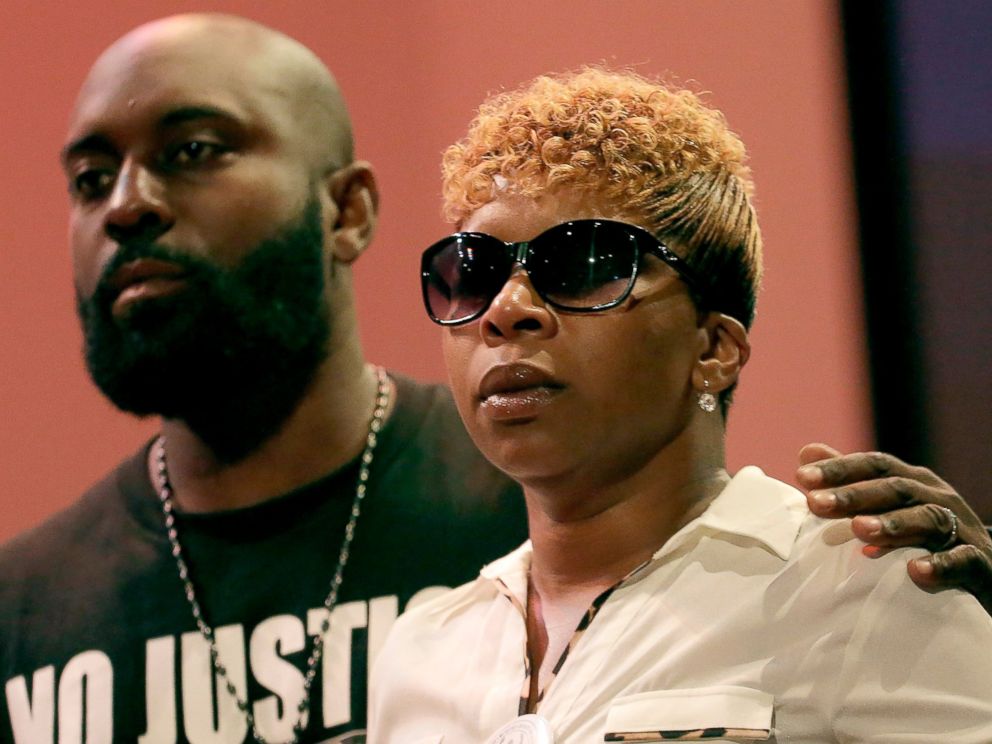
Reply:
x=213, y=113
x=213, y=189
x=227, y=54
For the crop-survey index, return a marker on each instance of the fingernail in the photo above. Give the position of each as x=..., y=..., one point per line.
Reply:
x=872, y=551
x=824, y=499
x=924, y=566
x=810, y=471
x=873, y=525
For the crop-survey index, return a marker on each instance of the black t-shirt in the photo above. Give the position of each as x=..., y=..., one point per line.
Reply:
x=97, y=641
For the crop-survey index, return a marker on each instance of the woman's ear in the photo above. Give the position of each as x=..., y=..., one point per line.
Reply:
x=728, y=351
x=353, y=191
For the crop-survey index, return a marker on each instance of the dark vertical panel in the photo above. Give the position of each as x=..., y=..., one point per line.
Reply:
x=888, y=248
x=945, y=61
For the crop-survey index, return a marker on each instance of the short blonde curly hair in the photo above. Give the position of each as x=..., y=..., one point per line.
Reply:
x=655, y=150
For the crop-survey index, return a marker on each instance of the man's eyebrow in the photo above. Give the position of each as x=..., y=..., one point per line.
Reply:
x=102, y=144
x=193, y=113
x=89, y=143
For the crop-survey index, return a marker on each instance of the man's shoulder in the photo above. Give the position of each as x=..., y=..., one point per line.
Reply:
x=425, y=408
x=88, y=519
x=428, y=438
x=438, y=483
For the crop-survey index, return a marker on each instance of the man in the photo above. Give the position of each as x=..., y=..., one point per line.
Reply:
x=216, y=209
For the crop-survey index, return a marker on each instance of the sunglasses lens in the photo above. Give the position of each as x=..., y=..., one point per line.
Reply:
x=462, y=275
x=584, y=265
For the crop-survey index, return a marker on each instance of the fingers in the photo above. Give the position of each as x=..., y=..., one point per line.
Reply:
x=913, y=507
x=876, y=496
x=840, y=470
x=812, y=453
x=927, y=524
x=966, y=567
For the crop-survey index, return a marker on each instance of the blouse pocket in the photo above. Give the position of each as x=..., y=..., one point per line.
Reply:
x=711, y=714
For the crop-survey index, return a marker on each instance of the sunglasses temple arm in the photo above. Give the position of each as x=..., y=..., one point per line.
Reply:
x=681, y=267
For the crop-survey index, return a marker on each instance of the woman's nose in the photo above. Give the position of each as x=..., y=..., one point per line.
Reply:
x=517, y=310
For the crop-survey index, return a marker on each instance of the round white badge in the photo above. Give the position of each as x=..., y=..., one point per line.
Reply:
x=528, y=729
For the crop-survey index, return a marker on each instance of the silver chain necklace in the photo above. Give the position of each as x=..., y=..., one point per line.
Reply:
x=207, y=631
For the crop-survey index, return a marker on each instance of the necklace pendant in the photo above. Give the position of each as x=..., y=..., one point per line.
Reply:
x=528, y=729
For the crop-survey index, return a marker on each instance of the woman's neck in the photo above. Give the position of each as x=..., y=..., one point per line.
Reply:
x=580, y=553
x=603, y=534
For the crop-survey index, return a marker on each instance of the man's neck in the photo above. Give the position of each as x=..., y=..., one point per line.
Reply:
x=325, y=430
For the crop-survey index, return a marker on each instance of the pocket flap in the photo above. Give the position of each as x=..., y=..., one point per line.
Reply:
x=702, y=713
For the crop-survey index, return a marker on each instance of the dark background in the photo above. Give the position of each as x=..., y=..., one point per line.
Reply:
x=920, y=83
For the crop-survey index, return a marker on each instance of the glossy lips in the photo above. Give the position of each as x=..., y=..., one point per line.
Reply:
x=517, y=392
x=144, y=278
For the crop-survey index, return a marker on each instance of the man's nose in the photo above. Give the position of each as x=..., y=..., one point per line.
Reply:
x=518, y=310
x=137, y=208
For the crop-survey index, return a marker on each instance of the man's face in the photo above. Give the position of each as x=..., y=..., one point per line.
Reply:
x=196, y=229
x=179, y=143
x=260, y=325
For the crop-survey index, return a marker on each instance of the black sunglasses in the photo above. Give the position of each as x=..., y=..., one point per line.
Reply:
x=582, y=266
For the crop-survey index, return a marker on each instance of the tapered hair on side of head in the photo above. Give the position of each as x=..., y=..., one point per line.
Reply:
x=655, y=151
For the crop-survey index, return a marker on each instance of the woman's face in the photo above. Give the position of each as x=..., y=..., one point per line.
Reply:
x=578, y=401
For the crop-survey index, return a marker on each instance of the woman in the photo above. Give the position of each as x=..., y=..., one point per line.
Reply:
x=596, y=301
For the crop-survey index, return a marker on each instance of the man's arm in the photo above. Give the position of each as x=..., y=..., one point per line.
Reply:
x=896, y=504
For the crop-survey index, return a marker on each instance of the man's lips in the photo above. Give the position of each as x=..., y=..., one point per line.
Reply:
x=143, y=269
x=515, y=392
x=144, y=278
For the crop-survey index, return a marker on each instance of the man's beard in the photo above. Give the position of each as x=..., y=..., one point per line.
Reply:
x=233, y=353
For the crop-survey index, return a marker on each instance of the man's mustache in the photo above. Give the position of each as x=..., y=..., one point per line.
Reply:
x=135, y=251
x=193, y=267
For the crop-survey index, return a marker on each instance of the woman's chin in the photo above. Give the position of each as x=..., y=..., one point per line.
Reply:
x=530, y=461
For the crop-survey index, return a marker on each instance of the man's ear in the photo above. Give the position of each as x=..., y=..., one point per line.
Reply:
x=353, y=191
x=728, y=350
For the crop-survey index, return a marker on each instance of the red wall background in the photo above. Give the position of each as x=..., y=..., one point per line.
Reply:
x=412, y=73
